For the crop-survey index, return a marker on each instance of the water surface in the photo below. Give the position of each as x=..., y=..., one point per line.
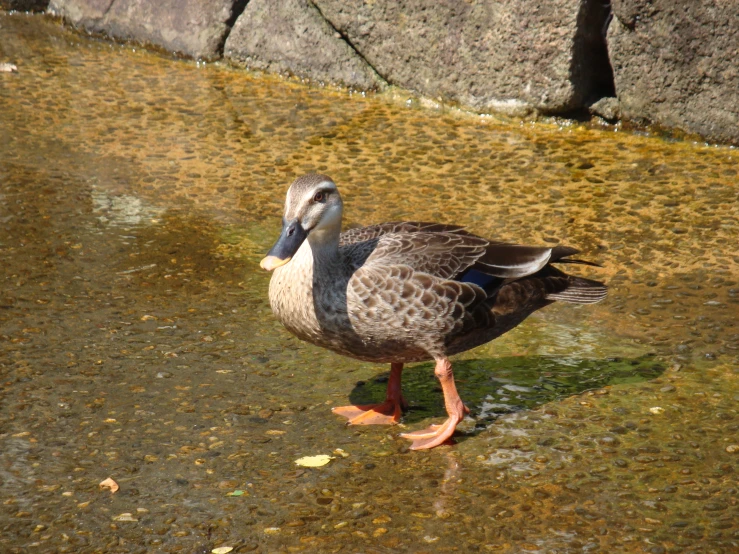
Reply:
x=137, y=195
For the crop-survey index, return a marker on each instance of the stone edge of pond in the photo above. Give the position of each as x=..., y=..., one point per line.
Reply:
x=614, y=64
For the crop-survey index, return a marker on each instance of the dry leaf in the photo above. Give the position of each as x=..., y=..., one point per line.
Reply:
x=222, y=550
x=109, y=484
x=314, y=461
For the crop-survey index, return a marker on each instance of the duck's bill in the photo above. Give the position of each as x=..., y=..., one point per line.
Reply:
x=272, y=262
x=287, y=245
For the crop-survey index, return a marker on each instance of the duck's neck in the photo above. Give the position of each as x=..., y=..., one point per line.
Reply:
x=324, y=245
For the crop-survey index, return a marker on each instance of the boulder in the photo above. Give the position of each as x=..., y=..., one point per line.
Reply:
x=676, y=63
x=87, y=14
x=607, y=108
x=515, y=56
x=195, y=28
x=291, y=36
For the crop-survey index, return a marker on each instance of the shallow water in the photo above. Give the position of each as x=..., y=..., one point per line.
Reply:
x=137, y=195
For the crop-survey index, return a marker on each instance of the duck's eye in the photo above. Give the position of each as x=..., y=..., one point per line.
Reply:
x=319, y=197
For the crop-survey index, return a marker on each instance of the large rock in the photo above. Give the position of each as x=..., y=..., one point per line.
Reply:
x=195, y=28
x=291, y=36
x=87, y=14
x=676, y=63
x=507, y=56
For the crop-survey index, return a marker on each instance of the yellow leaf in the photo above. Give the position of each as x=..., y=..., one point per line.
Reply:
x=222, y=550
x=314, y=461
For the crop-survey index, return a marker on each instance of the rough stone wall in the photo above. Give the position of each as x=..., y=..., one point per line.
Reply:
x=196, y=28
x=507, y=56
x=676, y=63
x=291, y=36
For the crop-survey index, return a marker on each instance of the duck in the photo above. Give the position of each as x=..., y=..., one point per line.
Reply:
x=406, y=291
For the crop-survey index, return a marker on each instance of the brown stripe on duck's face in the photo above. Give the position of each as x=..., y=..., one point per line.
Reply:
x=313, y=206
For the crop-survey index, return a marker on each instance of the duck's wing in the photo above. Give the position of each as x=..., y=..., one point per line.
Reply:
x=430, y=279
x=441, y=254
x=450, y=253
x=362, y=234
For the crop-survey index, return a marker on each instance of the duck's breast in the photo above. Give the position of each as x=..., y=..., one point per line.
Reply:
x=291, y=296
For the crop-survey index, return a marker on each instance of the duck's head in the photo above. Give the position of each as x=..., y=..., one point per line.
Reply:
x=313, y=207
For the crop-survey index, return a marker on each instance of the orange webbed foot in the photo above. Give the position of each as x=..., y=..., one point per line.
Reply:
x=439, y=434
x=387, y=413
x=433, y=435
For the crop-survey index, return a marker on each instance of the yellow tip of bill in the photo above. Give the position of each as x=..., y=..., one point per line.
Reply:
x=272, y=262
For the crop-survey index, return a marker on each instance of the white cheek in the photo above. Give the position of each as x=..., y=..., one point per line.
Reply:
x=330, y=219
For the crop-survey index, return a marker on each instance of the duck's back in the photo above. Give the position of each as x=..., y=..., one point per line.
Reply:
x=408, y=291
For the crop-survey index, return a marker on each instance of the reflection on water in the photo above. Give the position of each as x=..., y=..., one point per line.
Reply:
x=124, y=209
x=137, y=195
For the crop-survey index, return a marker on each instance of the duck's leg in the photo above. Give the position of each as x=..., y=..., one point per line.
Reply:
x=437, y=434
x=387, y=413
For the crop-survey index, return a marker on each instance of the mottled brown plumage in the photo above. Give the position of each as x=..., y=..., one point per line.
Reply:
x=405, y=291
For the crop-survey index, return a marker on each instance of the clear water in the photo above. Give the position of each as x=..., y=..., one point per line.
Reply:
x=137, y=195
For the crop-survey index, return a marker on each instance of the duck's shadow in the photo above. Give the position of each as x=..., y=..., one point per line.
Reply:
x=498, y=386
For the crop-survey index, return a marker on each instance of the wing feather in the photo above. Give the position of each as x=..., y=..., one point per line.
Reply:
x=441, y=254
x=361, y=234
x=512, y=261
x=449, y=251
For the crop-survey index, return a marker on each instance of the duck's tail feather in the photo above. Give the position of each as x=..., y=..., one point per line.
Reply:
x=561, y=255
x=581, y=291
x=575, y=261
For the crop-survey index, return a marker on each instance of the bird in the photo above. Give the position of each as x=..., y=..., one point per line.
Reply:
x=406, y=291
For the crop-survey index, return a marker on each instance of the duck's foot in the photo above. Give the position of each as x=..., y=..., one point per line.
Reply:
x=439, y=434
x=432, y=436
x=387, y=413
